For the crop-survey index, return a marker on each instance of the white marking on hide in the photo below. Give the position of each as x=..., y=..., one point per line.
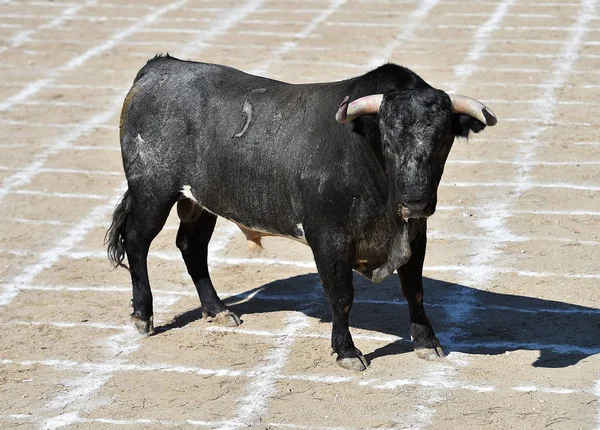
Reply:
x=186, y=191
x=246, y=109
x=302, y=236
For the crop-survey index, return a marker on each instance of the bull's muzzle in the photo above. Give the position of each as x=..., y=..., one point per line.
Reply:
x=410, y=210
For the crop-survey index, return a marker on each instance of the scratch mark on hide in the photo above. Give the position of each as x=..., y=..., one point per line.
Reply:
x=274, y=125
x=139, y=140
x=167, y=114
x=247, y=109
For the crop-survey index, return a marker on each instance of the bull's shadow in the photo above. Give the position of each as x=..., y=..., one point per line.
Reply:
x=465, y=319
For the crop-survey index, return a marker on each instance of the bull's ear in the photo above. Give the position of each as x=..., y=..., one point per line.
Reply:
x=462, y=125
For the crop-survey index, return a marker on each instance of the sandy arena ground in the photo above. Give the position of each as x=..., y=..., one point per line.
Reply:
x=513, y=262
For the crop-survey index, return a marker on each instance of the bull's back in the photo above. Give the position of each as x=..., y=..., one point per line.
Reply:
x=239, y=143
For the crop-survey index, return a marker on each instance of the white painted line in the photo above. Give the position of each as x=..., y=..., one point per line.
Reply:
x=512, y=270
x=521, y=185
x=264, y=262
x=20, y=106
x=543, y=122
x=414, y=21
x=596, y=391
x=4, y=25
x=509, y=238
x=36, y=86
x=525, y=163
x=72, y=238
x=531, y=101
x=51, y=125
x=67, y=324
x=508, y=14
x=551, y=390
x=481, y=37
x=74, y=418
x=118, y=366
x=542, y=85
x=251, y=407
x=25, y=36
x=65, y=170
x=523, y=211
x=64, y=142
x=375, y=383
x=52, y=146
x=35, y=221
x=304, y=34
x=554, y=28
x=310, y=427
x=68, y=4
x=71, y=17
x=56, y=194
x=205, y=33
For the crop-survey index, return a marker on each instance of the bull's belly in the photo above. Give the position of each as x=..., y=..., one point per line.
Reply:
x=189, y=208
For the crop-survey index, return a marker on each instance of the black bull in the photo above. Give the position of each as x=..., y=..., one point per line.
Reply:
x=271, y=157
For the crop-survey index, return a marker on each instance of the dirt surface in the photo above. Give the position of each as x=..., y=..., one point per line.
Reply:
x=512, y=268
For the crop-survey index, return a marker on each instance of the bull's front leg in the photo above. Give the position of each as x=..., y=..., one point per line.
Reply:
x=425, y=342
x=334, y=258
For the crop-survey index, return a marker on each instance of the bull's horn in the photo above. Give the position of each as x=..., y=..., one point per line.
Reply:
x=367, y=105
x=474, y=108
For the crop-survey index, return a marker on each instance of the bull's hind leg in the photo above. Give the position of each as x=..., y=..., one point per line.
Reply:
x=145, y=220
x=426, y=343
x=192, y=240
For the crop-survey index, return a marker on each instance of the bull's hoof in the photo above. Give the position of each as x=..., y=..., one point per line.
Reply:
x=143, y=326
x=225, y=319
x=353, y=361
x=433, y=353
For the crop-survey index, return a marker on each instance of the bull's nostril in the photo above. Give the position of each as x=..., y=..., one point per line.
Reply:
x=416, y=209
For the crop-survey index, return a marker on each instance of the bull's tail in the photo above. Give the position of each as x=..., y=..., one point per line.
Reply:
x=115, y=236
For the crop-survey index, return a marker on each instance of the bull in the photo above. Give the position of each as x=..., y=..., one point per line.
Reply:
x=356, y=182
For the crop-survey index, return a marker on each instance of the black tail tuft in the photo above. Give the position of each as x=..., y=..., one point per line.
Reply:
x=115, y=236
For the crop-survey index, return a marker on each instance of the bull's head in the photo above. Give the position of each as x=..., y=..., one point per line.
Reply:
x=418, y=128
